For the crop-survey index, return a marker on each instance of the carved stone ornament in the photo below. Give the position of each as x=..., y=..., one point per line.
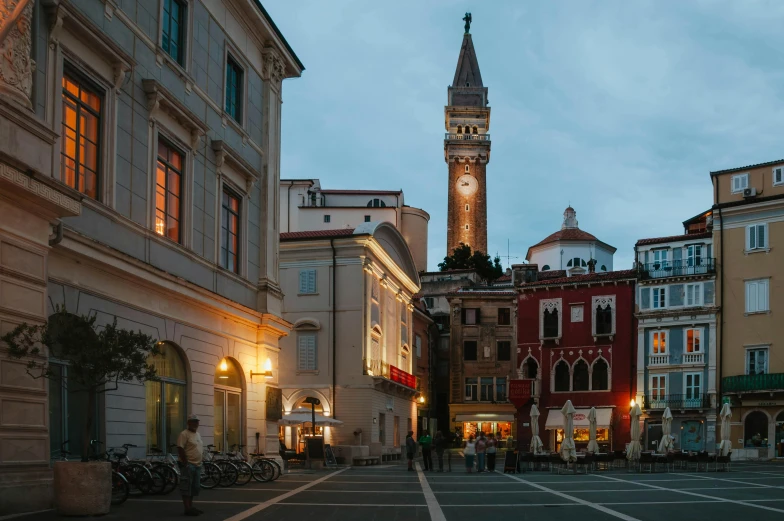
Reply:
x=16, y=66
x=273, y=70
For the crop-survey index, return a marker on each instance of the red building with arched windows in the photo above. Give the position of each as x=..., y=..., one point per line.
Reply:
x=576, y=340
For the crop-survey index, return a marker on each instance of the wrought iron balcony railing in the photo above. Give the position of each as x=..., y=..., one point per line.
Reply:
x=753, y=383
x=467, y=137
x=678, y=268
x=677, y=401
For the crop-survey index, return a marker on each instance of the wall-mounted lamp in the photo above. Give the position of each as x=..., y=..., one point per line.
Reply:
x=266, y=373
x=632, y=402
x=422, y=399
x=224, y=368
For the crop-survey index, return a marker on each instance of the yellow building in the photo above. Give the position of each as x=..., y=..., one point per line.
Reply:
x=749, y=238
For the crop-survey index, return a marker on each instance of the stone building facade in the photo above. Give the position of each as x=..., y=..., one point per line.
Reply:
x=139, y=165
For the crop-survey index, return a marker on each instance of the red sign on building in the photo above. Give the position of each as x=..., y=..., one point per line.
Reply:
x=520, y=391
x=402, y=377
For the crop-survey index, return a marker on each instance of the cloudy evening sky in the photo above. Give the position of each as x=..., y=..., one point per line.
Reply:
x=620, y=108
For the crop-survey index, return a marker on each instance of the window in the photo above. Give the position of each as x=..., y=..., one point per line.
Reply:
x=530, y=368
x=376, y=203
x=306, y=353
x=551, y=324
x=599, y=376
x=81, y=135
x=604, y=268
x=467, y=226
x=562, y=376
x=778, y=176
x=230, y=231
x=466, y=167
x=604, y=320
x=757, y=361
x=659, y=295
x=693, y=341
x=68, y=412
x=550, y=318
x=504, y=350
x=327, y=218
x=660, y=258
x=307, y=281
x=694, y=255
x=166, y=398
x=740, y=182
x=757, y=296
x=500, y=389
x=471, y=387
x=645, y=298
x=659, y=342
x=429, y=302
x=756, y=237
x=234, y=79
x=658, y=387
x=545, y=267
x=173, y=37
x=467, y=208
x=580, y=376
x=504, y=316
x=470, y=316
x=168, y=191
x=367, y=218
x=693, y=294
x=486, y=389
x=469, y=350
x=693, y=385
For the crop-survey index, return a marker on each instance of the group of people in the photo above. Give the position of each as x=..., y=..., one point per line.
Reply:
x=427, y=444
x=484, y=449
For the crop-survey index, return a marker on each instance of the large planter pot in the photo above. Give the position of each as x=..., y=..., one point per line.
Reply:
x=82, y=489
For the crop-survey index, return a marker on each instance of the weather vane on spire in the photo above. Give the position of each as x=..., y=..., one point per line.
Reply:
x=467, y=19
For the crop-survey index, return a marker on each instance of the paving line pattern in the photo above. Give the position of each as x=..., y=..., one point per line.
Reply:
x=436, y=514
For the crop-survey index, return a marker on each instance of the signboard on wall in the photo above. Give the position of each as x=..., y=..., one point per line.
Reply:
x=402, y=377
x=520, y=391
x=274, y=409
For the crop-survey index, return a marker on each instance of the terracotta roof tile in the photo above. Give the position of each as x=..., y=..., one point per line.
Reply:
x=747, y=167
x=551, y=274
x=482, y=293
x=316, y=234
x=584, y=279
x=673, y=238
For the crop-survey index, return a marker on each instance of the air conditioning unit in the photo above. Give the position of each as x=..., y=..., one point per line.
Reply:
x=749, y=192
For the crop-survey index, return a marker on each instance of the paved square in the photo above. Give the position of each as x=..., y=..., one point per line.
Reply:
x=750, y=491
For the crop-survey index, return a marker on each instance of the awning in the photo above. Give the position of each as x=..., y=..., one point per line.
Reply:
x=555, y=419
x=484, y=417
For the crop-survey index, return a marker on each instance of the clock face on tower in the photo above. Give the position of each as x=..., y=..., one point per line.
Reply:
x=466, y=184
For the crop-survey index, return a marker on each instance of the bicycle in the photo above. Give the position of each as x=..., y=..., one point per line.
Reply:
x=265, y=469
x=120, y=487
x=228, y=471
x=165, y=467
x=135, y=473
x=243, y=468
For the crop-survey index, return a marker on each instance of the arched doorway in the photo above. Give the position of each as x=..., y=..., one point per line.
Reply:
x=779, y=448
x=755, y=428
x=227, y=402
x=166, y=398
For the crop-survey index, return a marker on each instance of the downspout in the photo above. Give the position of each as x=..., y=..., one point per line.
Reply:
x=721, y=297
x=288, y=206
x=334, y=325
x=58, y=235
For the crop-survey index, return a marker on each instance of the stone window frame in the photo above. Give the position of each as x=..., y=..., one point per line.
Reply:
x=233, y=53
x=571, y=367
x=603, y=300
x=182, y=69
x=550, y=304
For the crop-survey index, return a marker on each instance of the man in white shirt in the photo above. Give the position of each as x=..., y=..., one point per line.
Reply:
x=189, y=449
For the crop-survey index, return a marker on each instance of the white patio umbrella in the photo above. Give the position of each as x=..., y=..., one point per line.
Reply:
x=568, y=452
x=633, y=452
x=666, y=442
x=726, y=415
x=592, y=445
x=300, y=416
x=536, y=441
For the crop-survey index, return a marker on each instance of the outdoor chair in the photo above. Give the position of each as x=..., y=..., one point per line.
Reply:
x=525, y=461
x=541, y=462
x=556, y=463
x=647, y=460
x=619, y=459
x=288, y=454
x=602, y=461
x=703, y=459
x=585, y=463
x=668, y=460
x=722, y=463
x=682, y=460
x=692, y=463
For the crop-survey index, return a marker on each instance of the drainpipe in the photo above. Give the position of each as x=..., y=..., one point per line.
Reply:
x=288, y=206
x=721, y=297
x=58, y=235
x=334, y=324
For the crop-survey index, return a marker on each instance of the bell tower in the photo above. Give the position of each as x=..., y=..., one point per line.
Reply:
x=467, y=151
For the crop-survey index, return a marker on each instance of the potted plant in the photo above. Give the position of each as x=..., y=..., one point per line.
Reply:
x=97, y=361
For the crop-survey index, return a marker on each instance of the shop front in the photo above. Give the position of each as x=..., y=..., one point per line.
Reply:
x=554, y=427
x=502, y=425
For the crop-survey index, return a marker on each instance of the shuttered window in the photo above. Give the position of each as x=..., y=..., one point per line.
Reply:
x=306, y=353
x=307, y=281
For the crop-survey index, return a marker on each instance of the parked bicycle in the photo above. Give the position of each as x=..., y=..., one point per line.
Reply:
x=217, y=472
x=264, y=468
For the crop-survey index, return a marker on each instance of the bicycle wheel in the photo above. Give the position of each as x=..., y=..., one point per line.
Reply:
x=276, y=467
x=140, y=477
x=120, y=488
x=229, y=473
x=170, y=477
x=210, y=475
x=263, y=470
x=244, y=472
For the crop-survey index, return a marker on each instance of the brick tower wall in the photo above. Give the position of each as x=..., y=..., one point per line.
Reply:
x=475, y=217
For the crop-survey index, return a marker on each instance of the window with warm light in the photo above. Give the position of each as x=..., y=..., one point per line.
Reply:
x=81, y=129
x=168, y=191
x=230, y=231
x=693, y=341
x=166, y=398
x=659, y=342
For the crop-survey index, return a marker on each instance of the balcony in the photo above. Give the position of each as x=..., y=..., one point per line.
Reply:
x=654, y=360
x=467, y=137
x=678, y=268
x=677, y=401
x=381, y=369
x=753, y=383
x=693, y=358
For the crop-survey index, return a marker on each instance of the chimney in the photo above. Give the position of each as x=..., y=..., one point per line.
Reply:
x=523, y=273
x=592, y=266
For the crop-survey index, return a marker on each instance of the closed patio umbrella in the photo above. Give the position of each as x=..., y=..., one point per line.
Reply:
x=300, y=416
x=633, y=452
x=592, y=445
x=726, y=415
x=568, y=452
x=666, y=442
x=536, y=441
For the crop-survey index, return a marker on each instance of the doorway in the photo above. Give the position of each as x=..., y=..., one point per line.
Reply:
x=227, y=406
x=654, y=435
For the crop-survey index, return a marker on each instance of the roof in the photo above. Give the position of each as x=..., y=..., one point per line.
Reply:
x=552, y=274
x=588, y=278
x=566, y=234
x=750, y=200
x=316, y=234
x=354, y=192
x=482, y=293
x=700, y=216
x=467, y=70
x=747, y=167
x=447, y=271
x=503, y=278
x=674, y=238
x=280, y=35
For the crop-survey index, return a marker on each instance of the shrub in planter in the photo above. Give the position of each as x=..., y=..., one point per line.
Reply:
x=98, y=359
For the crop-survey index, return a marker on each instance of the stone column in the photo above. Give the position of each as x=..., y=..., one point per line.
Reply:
x=16, y=65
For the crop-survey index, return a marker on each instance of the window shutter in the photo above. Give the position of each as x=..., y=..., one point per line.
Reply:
x=645, y=298
x=751, y=238
x=751, y=297
x=312, y=353
x=677, y=254
x=303, y=281
x=762, y=295
x=311, y=281
x=760, y=235
x=302, y=346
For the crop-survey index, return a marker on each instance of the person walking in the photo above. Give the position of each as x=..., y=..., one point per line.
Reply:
x=492, y=448
x=425, y=441
x=469, y=452
x=189, y=450
x=458, y=438
x=439, y=444
x=411, y=448
x=481, y=447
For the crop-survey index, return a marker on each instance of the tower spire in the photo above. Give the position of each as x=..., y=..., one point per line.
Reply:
x=467, y=72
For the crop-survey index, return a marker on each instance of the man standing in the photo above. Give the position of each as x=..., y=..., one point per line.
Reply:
x=425, y=441
x=189, y=449
x=410, y=449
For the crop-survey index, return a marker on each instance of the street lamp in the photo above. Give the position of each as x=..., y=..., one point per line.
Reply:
x=632, y=402
x=422, y=398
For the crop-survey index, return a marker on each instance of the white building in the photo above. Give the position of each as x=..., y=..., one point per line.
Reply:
x=305, y=206
x=348, y=294
x=570, y=249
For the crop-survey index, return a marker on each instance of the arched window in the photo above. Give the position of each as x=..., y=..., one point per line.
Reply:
x=166, y=398
x=476, y=130
x=599, y=378
x=569, y=264
x=530, y=368
x=545, y=267
x=376, y=203
x=550, y=320
x=227, y=403
x=583, y=263
x=603, y=320
x=459, y=129
x=580, y=376
x=562, y=376
x=467, y=129
x=756, y=423
x=466, y=168
x=604, y=268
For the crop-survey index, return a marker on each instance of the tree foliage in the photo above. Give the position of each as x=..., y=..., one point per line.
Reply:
x=462, y=258
x=97, y=359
